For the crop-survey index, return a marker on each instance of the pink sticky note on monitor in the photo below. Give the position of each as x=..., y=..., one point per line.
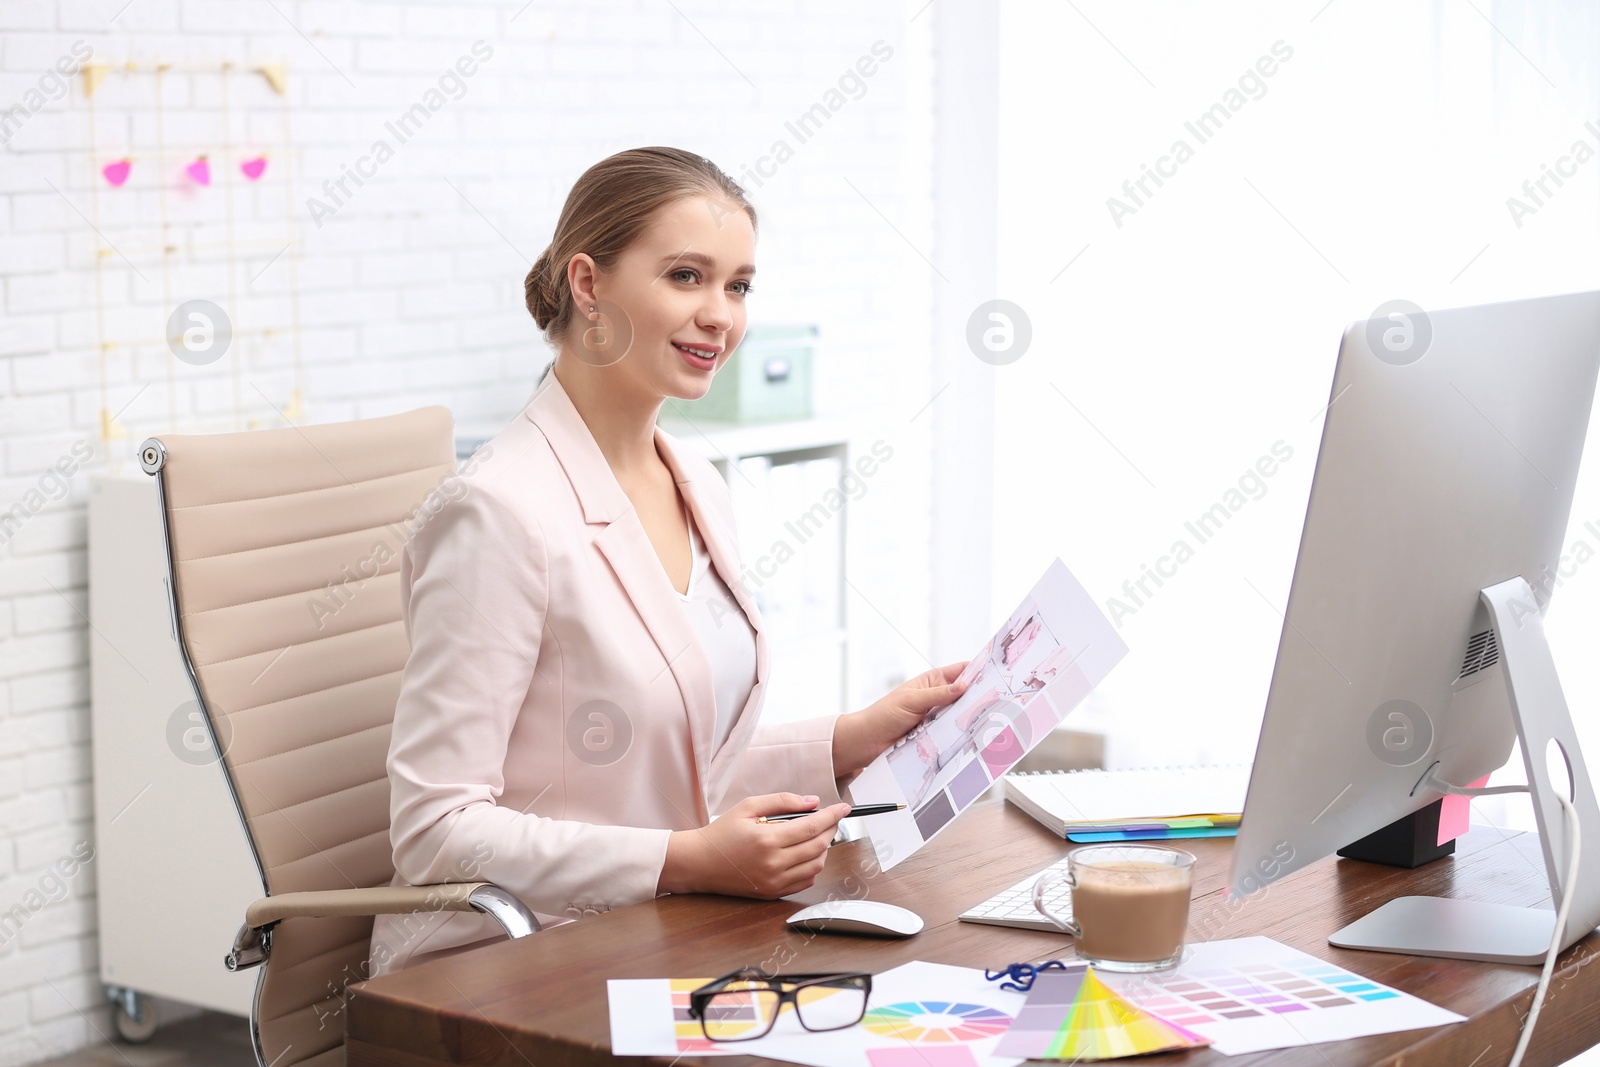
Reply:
x=1453, y=815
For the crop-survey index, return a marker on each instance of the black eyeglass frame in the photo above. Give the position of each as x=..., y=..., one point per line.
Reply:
x=701, y=998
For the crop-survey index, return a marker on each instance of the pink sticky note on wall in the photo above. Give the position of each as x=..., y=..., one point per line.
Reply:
x=1453, y=815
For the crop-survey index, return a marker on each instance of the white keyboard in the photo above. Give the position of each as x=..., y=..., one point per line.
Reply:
x=1014, y=906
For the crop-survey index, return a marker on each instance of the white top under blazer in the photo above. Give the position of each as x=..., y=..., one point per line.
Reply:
x=725, y=634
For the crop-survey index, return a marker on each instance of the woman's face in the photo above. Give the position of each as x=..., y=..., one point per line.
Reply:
x=680, y=285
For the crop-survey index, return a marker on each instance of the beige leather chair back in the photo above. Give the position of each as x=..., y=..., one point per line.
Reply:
x=285, y=550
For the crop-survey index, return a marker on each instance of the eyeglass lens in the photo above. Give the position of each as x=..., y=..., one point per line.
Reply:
x=830, y=1007
x=747, y=1010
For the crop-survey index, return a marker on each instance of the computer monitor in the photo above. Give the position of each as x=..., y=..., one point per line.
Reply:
x=1410, y=645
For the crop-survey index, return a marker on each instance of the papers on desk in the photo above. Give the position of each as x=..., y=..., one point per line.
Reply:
x=919, y=1015
x=1244, y=995
x=1056, y=647
x=1253, y=993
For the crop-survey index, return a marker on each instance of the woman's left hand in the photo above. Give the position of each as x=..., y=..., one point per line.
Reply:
x=861, y=736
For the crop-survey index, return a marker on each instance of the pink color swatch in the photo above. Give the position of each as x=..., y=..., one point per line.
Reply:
x=922, y=1056
x=1002, y=752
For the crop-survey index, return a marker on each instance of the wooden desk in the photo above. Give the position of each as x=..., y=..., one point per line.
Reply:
x=542, y=1000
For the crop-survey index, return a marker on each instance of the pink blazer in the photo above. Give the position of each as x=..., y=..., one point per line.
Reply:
x=555, y=715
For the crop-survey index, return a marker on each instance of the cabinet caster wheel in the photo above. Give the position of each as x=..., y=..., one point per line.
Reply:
x=139, y=1025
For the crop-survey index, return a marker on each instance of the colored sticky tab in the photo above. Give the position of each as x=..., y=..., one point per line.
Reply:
x=1455, y=813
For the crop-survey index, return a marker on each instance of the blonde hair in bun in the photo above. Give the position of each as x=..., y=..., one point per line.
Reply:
x=609, y=206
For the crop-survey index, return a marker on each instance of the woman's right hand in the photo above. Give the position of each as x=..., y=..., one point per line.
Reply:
x=739, y=857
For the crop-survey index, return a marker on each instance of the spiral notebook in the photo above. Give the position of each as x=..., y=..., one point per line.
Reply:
x=1145, y=802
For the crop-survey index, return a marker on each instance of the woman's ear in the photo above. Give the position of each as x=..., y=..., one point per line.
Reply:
x=581, y=277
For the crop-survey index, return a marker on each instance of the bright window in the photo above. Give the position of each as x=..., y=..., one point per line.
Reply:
x=1195, y=200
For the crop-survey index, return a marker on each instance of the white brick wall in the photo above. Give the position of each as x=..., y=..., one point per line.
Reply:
x=408, y=295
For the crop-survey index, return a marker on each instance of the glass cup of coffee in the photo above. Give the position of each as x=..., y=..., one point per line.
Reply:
x=1126, y=906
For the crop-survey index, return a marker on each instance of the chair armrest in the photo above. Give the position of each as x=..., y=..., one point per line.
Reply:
x=254, y=940
x=382, y=900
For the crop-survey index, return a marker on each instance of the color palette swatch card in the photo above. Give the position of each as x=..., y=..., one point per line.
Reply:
x=1053, y=650
x=918, y=1015
x=1072, y=1015
x=1253, y=993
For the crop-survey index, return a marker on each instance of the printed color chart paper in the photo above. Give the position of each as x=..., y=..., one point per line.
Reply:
x=1056, y=647
x=1253, y=993
x=921, y=1014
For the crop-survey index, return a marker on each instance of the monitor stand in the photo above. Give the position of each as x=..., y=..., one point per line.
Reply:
x=1502, y=933
x=1409, y=842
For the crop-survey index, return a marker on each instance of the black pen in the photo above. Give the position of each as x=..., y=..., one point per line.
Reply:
x=859, y=809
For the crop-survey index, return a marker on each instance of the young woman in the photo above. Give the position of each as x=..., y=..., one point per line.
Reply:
x=586, y=675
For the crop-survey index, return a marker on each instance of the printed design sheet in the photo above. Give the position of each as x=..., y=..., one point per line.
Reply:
x=1253, y=993
x=918, y=1015
x=1053, y=650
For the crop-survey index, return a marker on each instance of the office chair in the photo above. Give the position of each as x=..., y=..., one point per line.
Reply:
x=283, y=553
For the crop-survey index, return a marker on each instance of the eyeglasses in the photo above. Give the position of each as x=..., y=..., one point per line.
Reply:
x=743, y=1005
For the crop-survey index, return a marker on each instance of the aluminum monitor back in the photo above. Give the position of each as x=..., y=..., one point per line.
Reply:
x=1449, y=456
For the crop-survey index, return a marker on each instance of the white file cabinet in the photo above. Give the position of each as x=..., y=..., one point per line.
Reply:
x=174, y=867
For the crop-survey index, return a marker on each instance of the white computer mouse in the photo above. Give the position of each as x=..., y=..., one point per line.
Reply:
x=869, y=917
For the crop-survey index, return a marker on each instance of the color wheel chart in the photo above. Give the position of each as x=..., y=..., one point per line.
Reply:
x=936, y=1021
